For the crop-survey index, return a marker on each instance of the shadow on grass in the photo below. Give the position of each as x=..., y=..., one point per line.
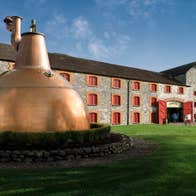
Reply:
x=169, y=171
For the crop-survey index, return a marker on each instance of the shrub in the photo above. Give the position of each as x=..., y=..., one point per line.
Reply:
x=52, y=139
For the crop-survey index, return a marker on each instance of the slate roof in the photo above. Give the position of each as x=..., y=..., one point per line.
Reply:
x=79, y=65
x=7, y=53
x=179, y=70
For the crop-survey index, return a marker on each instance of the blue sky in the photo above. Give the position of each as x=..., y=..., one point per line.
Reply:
x=147, y=34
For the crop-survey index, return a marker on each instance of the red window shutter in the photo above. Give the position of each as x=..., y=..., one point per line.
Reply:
x=136, y=117
x=89, y=99
x=168, y=89
x=93, y=117
x=153, y=87
x=180, y=90
x=116, y=100
x=194, y=93
x=116, y=118
x=92, y=80
x=136, y=101
x=92, y=99
x=162, y=111
x=136, y=86
x=153, y=101
x=116, y=83
x=188, y=108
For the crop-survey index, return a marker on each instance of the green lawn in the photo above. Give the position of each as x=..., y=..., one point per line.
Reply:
x=171, y=170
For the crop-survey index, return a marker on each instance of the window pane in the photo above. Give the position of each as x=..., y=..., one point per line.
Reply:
x=153, y=87
x=66, y=76
x=153, y=101
x=116, y=100
x=136, y=117
x=93, y=117
x=116, y=118
x=116, y=83
x=92, y=99
x=136, y=101
x=92, y=80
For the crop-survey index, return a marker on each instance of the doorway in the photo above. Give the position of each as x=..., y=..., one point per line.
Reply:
x=172, y=111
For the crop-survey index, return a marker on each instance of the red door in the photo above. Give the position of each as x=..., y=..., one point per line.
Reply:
x=188, y=108
x=162, y=111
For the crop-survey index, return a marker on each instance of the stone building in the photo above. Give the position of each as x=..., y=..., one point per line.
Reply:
x=117, y=94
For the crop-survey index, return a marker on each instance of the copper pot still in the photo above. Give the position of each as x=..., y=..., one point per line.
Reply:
x=34, y=98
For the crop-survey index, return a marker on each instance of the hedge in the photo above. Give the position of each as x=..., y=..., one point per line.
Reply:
x=52, y=139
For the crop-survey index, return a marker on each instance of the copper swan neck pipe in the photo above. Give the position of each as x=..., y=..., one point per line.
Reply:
x=14, y=25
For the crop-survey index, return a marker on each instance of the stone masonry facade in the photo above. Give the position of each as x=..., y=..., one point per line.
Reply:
x=104, y=90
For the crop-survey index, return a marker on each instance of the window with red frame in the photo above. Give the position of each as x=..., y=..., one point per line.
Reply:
x=66, y=76
x=136, y=85
x=136, y=101
x=92, y=99
x=194, y=104
x=181, y=90
x=116, y=100
x=92, y=80
x=195, y=117
x=116, y=118
x=136, y=117
x=153, y=87
x=116, y=83
x=167, y=89
x=194, y=93
x=93, y=117
x=153, y=101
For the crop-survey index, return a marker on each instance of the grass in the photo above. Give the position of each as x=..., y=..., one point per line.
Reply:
x=171, y=170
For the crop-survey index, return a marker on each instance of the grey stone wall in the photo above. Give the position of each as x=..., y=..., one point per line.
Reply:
x=105, y=92
x=145, y=108
x=186, y=96
x=191, y=81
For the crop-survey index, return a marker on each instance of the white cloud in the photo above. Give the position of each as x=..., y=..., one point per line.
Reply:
x=98, y=50
x=104, y=46
x=106, y=35
x=145, y=10
x=81, y=28
x=56, y=26
x=83, y=39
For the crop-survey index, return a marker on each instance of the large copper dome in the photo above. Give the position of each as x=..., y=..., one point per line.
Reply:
x=33, y=98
